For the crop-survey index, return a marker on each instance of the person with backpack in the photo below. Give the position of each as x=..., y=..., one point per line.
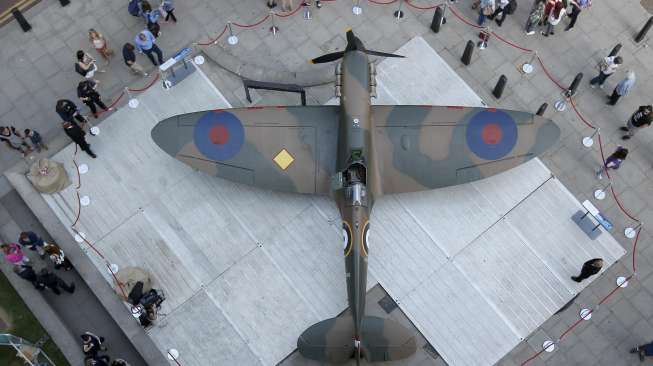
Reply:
x=535, y=16
x=642, y=117
x=613, y=161
x=576, y=7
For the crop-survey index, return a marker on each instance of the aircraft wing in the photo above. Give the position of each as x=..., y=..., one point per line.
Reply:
x=426, y=147
x=291, y=149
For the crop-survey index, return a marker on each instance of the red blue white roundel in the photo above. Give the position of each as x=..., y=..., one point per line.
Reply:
x=219, y=135
x=491, y=135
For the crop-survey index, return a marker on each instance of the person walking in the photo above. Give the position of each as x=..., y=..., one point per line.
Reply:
x=607, y=67
x=535, y=16
x=590, y=268
x=53, y=282
x=100, y=44
x=168, y=7
x=88, y=94
x=622, y=89
x=92, y=344
x=643, y=351
x=642, y=117
x=32, y=241
x=57, y=257
x=129, y=56
x=576, y=7
x=69, y=112
x=76, y=134
x=613, y=161
x=554, y=18
x=144, y=41
x=485, y=9
x=13, y=254
x=14, y=140
x=26, y=272
x=503, y=8
x=36, y=140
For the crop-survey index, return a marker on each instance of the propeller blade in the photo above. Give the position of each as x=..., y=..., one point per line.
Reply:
x=382, y=54
x=328, y=57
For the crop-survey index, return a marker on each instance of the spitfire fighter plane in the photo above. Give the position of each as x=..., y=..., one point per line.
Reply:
x=355, y=152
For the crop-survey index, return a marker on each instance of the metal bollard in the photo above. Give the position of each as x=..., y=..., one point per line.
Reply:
x=542, y=109
x=574, y=85
x=24, y=25
x=467, y=55
x=644, y=30
x=501, y=84
x=615, y=50
x=64, y=2
x=437, y=20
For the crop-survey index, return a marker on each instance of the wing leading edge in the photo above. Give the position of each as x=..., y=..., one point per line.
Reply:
x=290, y=149
x=426, y=147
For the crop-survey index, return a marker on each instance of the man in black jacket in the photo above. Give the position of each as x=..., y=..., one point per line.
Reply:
x=53, y=282
x=68, y=111
x=76, y=134
x=642, y=117
x=87, y=93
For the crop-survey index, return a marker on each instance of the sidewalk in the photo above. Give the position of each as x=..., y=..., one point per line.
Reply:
x=40, y=70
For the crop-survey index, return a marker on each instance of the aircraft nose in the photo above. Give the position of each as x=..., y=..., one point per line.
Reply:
x=166, y=135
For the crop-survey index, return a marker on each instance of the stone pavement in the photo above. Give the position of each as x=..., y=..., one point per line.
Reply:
x=40, y=70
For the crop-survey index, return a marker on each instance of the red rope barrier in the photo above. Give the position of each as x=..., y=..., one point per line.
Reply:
x=291, y=13
x=621, y=207
x=79, y=209
x=422, y=7
x=635, y=250
x=532, y=358
x=111, y=105
x=381, y=2
x=511, y=43
x=547, y=73
x=251, y=25
x=156, y=77
x=571, y=100
x=211, y=41
x=462, y=19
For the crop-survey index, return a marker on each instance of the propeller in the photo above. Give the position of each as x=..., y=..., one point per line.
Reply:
x=353, y=44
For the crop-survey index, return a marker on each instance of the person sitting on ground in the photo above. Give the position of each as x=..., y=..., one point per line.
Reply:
x=14, y=140
x=32, y=241
x=92, y=344
x=13, y=254
x=57, y=257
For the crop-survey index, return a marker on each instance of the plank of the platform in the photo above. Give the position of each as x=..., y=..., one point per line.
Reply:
x=215, y=342
x=266, y=307
x=545, y=224
x=512, y=278
x=457, y=320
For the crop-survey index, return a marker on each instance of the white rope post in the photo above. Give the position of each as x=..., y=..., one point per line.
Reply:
x=356, y=9
x=589, y=140
x=585, y=314
x=631, y=232
x=548, y=346
x=399, y=13
x=622, y=282
x=232, y=39
x=173, y=355
x=560, y=105
x=133, y=102
x=273, y=29
x=599, y=194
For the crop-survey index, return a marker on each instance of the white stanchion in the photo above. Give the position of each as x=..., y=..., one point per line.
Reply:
x=232, y=39
x=586, y=314
x=631, y=232
x=79, y=237
x=600, y=194
x=133, y=103
x=95, y=130
x=356, y=9
x=560, y=105
x=548, y=346
x=273, y=29
x=589, y=140
x=399, y=13
x=85, y=200
x=622, y=282
x=82, y=169
x=113, y=268
x=199, y=60
x=173, y=354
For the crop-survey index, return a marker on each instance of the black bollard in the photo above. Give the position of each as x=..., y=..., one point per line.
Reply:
x=467, y=55
x=542, y=109
x=21, y=19
x=615, y=50
x=574, y=85
x=644, y=30
x=437, y=20
x=64, y=2
x=501, y=84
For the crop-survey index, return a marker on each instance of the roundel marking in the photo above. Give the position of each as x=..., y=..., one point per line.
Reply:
x=346, y=238
x=219, y=135
x=365, y=238
x=491, y=135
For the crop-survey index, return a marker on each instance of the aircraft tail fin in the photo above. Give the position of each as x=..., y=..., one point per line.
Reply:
x=385, y=340
x=332, y=340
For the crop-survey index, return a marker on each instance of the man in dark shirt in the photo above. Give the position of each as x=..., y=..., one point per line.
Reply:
x=53, y=282
x=87, y=93
x=68, y=111
x=640, y=119
x=78, y=136
x=129, y=56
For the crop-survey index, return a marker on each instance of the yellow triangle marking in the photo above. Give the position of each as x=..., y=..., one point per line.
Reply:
x=283, y=159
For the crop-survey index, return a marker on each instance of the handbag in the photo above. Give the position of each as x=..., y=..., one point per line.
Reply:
x=488, y=10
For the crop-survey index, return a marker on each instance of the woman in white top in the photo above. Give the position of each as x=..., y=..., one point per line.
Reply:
x=100, y=44
x=554, y=18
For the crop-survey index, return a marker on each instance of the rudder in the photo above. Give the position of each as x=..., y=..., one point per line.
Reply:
x=330, y=340
x=385, y=340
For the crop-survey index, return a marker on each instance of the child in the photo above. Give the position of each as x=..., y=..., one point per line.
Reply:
x=35, y=139
x=613, y=161
x=13, y=254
